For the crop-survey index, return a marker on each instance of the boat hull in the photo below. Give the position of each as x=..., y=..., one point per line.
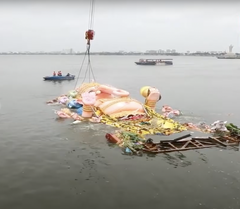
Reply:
x=59, y=78
x=229, y=57
x=148, y=63
x=154, y=63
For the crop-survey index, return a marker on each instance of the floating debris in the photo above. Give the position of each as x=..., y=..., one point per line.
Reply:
x=114, y=107
x=105, y=104
x=184, y=143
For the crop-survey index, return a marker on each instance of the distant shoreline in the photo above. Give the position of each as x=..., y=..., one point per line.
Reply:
x=119, y=54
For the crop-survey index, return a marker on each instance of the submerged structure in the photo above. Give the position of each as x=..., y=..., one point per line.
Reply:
x=106, y=104
x=135, y=120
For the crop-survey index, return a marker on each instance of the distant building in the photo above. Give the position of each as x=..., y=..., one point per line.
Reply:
x=213, y=52
x=68, y=51
x=151, y=51
x=160, y=51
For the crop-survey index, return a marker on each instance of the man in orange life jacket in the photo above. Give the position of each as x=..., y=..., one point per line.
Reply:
x=54, y=73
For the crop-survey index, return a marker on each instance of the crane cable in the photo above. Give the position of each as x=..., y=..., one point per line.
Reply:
x=90, y=26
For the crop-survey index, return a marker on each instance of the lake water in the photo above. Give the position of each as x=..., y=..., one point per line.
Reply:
x=48, y=163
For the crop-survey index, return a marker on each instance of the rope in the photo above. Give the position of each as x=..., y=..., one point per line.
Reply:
x=89, y=67
x=91, y=14
x=89, y=17
x=80, y=69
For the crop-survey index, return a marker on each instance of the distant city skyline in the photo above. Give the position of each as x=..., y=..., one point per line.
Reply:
x=120, y=25
x=147, y=52
x=158, y=51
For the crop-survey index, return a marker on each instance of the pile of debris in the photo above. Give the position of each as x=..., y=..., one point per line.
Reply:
x=98, y=103
x=134, y=120
x=223, y=135
x=152, y=123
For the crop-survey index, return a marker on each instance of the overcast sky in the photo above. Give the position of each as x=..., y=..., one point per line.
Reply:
x=119, y=25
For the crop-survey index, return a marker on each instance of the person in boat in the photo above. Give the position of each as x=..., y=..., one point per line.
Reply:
x=68, y=74
x=54, y=73
x=59, y=73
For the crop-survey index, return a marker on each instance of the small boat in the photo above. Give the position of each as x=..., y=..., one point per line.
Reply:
x=154, y=62
x=59, y=78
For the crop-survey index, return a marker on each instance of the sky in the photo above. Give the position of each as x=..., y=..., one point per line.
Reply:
x=120, y=25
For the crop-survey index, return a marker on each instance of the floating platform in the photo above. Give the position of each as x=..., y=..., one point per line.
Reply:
x=182, y=143
x=188, y=144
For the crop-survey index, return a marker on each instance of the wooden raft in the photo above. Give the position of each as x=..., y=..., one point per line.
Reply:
x=189, y=144
x=182, y=143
